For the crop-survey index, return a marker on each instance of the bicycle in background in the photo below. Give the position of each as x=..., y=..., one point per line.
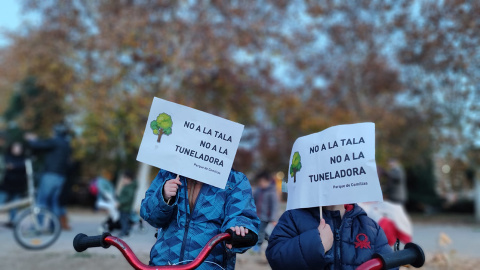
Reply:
x=34, y=228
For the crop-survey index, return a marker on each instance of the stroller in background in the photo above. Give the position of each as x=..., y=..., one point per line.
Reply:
x=105, y=193
x=136, y=223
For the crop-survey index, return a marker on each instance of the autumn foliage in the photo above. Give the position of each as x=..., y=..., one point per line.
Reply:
x=283, y=68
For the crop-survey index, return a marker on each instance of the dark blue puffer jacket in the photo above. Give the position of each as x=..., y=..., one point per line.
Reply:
x=295, y=242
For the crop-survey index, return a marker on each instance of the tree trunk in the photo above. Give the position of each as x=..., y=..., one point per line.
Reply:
x=295, y=177
x=160, y=133
x=143, y=181
x=476, y=181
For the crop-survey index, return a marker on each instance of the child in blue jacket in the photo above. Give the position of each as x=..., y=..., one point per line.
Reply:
x=188, y=213
x=345, y=238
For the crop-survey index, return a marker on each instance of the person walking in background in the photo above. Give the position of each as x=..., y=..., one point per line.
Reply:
x=266, y=201
x=14, y=183
x=396, y=187
x=390, y=214
x=393, y=219
x=57, y=159
x=128, y=186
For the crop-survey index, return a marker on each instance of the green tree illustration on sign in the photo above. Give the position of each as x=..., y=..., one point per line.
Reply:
x=163, y=125
x=296, y=166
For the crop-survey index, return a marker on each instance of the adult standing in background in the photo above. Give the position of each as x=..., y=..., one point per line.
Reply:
x=57, y=161
x=14, y=184
x=266, y=201
x=396, y=189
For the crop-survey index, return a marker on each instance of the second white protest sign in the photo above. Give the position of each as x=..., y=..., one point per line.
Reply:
x=334, y=166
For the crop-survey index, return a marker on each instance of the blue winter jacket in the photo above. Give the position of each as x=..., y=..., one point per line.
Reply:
x=183, y=232
x=57, y=154
x=295, y=242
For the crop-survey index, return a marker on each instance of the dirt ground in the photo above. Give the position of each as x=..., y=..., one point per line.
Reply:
x=457, y=249
x=91, y=260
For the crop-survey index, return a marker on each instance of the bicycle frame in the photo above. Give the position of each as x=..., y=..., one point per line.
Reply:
x=30, y=199
x=31, y=191
x=16, y=204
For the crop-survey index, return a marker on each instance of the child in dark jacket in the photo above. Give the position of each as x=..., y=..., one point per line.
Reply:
x=345, y=238
x=125, y=201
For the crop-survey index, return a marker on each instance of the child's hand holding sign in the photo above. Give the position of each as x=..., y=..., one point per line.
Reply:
x=326, y=235
x=170, y=188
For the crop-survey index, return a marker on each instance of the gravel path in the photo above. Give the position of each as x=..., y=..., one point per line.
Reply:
x=461, y=253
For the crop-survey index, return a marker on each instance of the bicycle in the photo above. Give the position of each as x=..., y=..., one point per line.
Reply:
x=412, y=254
x=34, y=228
x=81, y=242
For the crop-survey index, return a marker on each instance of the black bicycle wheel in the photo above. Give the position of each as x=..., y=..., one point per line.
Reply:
x=37, y=229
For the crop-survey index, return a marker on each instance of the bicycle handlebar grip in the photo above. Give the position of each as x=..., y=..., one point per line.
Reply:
x=412, y=254
x=239, y=241
x=81, y=242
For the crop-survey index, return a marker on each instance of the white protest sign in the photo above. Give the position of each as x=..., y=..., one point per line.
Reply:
x=334, y=166
x=190, y=142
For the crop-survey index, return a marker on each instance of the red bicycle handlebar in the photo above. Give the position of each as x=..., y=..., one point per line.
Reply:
x=373, y=264
x=105, y=240
x=137, y=264
x=412, y=254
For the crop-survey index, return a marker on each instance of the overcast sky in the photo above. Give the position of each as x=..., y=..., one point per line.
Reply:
x=10, y=17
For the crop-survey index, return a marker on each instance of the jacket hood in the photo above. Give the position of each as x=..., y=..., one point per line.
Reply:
x=354, y=212
x=351, y=211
